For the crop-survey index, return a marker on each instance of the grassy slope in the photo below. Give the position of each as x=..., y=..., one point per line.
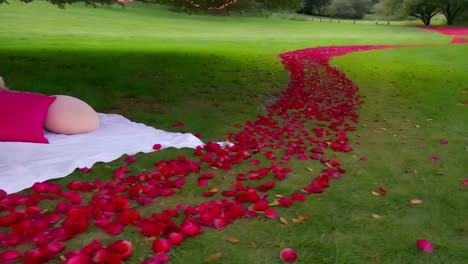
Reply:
x=150, y=65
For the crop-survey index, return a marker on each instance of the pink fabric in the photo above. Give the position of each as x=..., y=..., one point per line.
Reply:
x=22, y=116
x=69, y=115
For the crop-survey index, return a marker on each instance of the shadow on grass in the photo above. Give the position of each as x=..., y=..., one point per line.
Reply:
x=203, y=90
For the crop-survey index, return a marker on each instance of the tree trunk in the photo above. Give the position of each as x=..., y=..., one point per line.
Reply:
x=450, y=12
x=426, y=21
x=449, y=20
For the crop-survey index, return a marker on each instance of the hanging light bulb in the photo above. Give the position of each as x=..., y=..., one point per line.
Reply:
x=196, y=4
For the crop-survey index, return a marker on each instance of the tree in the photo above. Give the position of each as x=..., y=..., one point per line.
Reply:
x=62, y=3
x=350, y=8
x=316, y=7
x=451, y=8
x=389, y=9
x=422, y=9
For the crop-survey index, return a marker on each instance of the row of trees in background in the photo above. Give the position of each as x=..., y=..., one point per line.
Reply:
x=354, y=9
x=425, y=10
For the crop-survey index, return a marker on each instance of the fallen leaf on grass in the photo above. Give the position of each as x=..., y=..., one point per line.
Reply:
x=213, y=257
x=310, y=169
x=252, y=245
x=300, y=218
x=375, y=216
x=214, y=190
x=416, y=201
x=233, y=239
x=375, y=193
x=284, y=221
x=281, y=244
x=274, y=203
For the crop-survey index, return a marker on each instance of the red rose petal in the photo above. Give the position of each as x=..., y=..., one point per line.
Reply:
x=298, y=197
x=9, y=255
x=190, y=229
x=254, y=162
x=130, y=159
x=179, y=124
x=286, y=202
x=120, y=203
x=85, y=169
x=219, y=223
x=175, y=238
x=382, y=191
x=202, y=182
x=161, y=245
x=123, y=248
x=157, y=146
x=266, y=186
x=424, y=245
x=288, y=255
x=229, y=193
x=271, y=213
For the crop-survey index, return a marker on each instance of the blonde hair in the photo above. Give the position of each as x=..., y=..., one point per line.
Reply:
x=2, y=84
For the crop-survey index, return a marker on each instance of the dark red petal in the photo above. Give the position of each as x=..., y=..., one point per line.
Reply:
x=254, y=162
x=286, y=202
x=161, y=245
x=382, y=191
x=298, y=197
x=175, y=238
x=271, y=213
x=85, y=169
x=123, y=248
x=9, y=255
x=157, y=146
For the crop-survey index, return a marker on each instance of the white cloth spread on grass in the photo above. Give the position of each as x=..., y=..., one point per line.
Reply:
x=23, y=164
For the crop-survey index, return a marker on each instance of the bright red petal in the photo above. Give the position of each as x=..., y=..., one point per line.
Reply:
x=424, y=245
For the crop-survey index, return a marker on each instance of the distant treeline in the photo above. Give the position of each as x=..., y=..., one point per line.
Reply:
x=424, y=10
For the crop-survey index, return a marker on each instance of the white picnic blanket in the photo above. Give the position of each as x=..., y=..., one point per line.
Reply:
x=23, y=164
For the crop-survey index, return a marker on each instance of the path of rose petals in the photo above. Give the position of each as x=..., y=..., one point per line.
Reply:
x=310, y=121
x=453, y=31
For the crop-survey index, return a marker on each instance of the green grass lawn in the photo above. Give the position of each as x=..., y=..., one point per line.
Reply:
x=160, y=68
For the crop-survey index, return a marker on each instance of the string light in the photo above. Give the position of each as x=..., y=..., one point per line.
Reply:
x=211, y=8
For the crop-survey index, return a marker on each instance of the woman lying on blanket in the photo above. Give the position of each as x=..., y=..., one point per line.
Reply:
x=67, y=115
